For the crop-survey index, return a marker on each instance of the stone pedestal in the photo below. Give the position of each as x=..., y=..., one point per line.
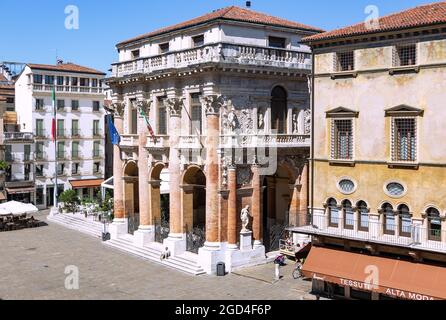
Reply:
x=246, y=241
x=209, y=256
x=118, y=228
x=144, y=235
x=176, y=242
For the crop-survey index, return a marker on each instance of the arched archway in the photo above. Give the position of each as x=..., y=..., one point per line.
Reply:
x=131, y=196
x=194, y=207
x=279, y=110
x=277, y=196
x=159, y=201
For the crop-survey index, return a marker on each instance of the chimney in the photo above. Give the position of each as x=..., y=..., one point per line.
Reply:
x=59, y=62
x=248, y=4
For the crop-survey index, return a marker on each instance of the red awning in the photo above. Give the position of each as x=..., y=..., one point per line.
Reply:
x=91, y=183
x=395, y=278
x=20, y=190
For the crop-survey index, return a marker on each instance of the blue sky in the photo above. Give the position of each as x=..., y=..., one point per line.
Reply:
x=34, y=31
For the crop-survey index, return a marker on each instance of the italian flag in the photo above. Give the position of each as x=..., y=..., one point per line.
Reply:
x=53, y=124
x=149, y=127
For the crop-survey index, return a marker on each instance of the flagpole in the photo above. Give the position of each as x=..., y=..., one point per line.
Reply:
x=54, y=127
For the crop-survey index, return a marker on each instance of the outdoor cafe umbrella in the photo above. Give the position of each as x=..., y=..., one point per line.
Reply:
x=17, y=208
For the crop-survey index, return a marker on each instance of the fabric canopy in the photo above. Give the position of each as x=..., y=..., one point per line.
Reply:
x=90, y=183
x=395, y=278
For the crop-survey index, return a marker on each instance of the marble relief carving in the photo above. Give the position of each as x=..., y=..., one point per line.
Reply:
x=307, y=121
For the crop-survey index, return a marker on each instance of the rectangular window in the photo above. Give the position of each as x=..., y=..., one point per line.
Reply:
x=405, y=55
x=162, y=117
x=84, y=82
x=404, y=144
x=75, y=150
x=8, y=153
x=96, y=106
x=196, y=114
x=75, y=169
x=67, y=81
x=49, y=80
x=345, y=61
x=164, y=47
x=39, y=128
x=39, y=170
x=135, y=54
x=74, y=105
x=276, y=42
x=75, y=128
x=38, y=78
x=96, y=149
x=27, y=155
x=60, y=80
x=342, y=139
x=60, y=104
x=61, y=169
x=94, y=83
x=39, y=196
x=60, y=128
x=96, y=131
x=133, y=119
x=39, y=104
x=61, y=150
x=198, y=41
x=39, y=151
x=96, y=167
x=74, y=81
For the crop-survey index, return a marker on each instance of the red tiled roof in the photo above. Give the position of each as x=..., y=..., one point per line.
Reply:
x=425, y=15
x=66, y=67
x=229, y=13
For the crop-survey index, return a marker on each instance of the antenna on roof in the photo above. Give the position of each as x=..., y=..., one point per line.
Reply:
x=248, y=4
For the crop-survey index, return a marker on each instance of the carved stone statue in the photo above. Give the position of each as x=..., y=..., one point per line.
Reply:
x=307, y=121
x=295, y=122
x=232, y=120
x=244, y=216
x=261, y=120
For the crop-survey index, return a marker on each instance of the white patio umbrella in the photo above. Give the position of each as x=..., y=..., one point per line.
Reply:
x=18, y=208
x=4, y=212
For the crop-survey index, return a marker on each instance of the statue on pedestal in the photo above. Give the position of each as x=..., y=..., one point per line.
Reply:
x=244, y=216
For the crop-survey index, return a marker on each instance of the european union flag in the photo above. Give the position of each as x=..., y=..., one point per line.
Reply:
x=115, y=138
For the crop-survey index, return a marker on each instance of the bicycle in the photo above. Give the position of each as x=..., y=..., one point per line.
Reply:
x=297, y=272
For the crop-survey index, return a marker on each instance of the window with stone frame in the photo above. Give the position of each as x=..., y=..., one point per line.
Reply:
x=345, y=61
x=162, y=116
x=198, y=41
x=405, y=55
x=196, y=114
x=404, y=139
x=39, y=170
x=164, y=47
x=342, y=139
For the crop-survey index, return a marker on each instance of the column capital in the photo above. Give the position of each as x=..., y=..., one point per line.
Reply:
x=144, y=106
x=174, y=106
x=117, y=108
x=212, y=104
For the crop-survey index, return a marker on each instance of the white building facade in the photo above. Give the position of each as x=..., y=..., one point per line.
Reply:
x=79, y=148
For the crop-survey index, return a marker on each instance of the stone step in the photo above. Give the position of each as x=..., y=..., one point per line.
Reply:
x=147, y=253
x=83, y=226
x=79, y=224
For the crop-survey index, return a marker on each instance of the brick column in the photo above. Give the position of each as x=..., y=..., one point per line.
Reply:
x=232, y=207
x=118, y=192
x=174, y=105
x=257, y=216
x=143, y=167
x=212, y=141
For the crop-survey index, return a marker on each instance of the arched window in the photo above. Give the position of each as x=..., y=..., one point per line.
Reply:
x=279, y=107
x=333, y=213
x=347, y=209
x=363, y=214
x=433, y=224
x=388, y=218
x=405, y=221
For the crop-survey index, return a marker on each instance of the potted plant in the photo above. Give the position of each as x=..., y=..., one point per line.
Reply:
x=3, y=166
x=69, y=199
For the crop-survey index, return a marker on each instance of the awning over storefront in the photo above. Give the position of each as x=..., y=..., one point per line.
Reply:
x=90, y=183
x=394, y=278
x=20, y=190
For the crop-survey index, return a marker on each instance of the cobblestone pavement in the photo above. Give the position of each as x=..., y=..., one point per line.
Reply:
x=33, y=262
